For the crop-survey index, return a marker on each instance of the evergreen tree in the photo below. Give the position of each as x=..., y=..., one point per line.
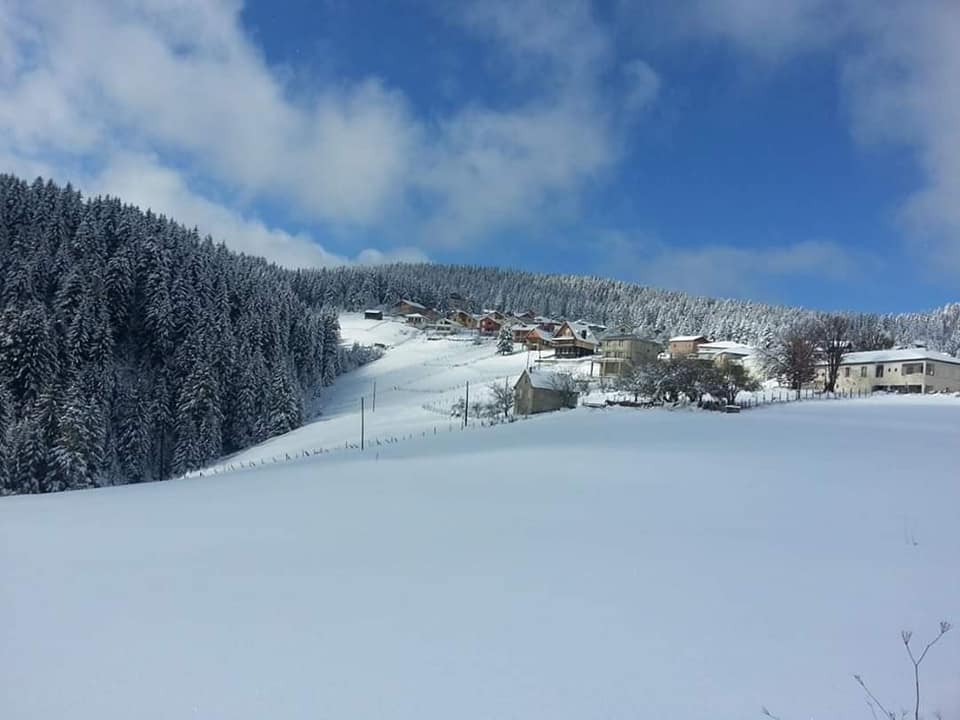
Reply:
x=505, y=341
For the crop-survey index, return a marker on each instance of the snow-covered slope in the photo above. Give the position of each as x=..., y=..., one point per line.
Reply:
x=417, y=382
x=589, y=564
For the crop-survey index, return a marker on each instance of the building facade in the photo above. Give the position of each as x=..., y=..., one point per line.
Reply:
x=572, y=341
x=622, y=352
x=909, y=370
x=538, y=391
x=683, y=345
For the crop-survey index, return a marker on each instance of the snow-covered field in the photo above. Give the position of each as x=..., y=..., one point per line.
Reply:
x=417, y=382
x=587, y=564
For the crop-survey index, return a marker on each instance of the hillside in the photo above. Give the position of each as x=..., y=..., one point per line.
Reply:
x=131, y=349
x=651, y=311
x=614, y=564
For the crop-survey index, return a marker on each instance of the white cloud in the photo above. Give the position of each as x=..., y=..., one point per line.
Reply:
x=899, y=63
x=142, y=181
x=643, y=85
x=723, y=270
x=180, y=82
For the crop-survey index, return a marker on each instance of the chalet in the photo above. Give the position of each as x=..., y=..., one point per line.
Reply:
x=490, y=325
x=545, y=323
x=521, y=332
x=572, y=340
x=525, y=315
x=406, y=307
x=909, y=370
x=595, y=327
x=724, y=352
x=623, y=351
x=373, y=314
x=538, y=391
x=495, y=314
x=463, y=318
x=416, y=319
x=683, y=345
x=442, y=326
x=539, y=339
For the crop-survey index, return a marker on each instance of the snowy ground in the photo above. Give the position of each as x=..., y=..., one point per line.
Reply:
x=589, y=564
x=417, y=382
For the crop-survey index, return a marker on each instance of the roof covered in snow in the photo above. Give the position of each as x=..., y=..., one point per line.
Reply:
x=543, y=379
x=687, y=338
x=726, y=346
x=411, y=303
x=897, y=355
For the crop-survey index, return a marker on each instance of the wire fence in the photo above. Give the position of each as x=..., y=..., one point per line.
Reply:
x=780, y=396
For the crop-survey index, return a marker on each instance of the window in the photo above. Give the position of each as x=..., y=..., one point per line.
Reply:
x=929, y=368
x=846, y=372
x=913, y=368
x=878, y=371
x=863, y=371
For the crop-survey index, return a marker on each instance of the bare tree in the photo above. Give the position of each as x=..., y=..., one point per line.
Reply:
x=916, y=661
x=501, y=398
x=569, y=388
x=832, y=335
x=792, y=357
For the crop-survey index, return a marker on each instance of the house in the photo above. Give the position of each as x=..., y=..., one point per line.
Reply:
x=724, y=352
x=373, y=314
x=521, y=332
x=545, y=323
x=442, y=326
x=462, y=317
x=406, y=307
x=416, y=319
x=539, y=339
x=572, y=340
x=495, y=314
x=911, y=370
x=623, y=351
x=538, y=391
x=524, y=315
x=490, y=325
x=683, y=345
x=596, y=327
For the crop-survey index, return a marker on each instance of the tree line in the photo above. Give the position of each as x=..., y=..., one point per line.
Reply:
x=652, y=312
x=132, y=349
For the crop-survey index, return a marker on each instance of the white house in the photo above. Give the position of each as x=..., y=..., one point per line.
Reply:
x=914, y=370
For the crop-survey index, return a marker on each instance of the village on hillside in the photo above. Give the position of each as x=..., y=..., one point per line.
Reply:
x=569, y=359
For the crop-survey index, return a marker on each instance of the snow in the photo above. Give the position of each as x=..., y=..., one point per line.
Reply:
x=685, y=338
x=543, y=379
x=417, y=382
x=589, y=563
x=897, y=355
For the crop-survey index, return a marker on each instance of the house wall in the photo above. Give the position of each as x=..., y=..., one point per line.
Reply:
x=945, y=377
x=528, y=400
x=621, y=355
x=683, y=348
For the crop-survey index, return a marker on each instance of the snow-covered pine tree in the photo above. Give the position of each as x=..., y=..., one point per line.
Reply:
x=505, y=341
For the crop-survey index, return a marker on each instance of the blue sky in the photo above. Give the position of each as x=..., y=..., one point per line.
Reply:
x=801, y=152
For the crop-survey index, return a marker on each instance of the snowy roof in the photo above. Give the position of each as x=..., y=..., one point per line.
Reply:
x=543, y=380
x=523, y=327
x=687, y=338
x=414, y=315
x=411, y=303
x=725, y=346
x=624, y=335
x=541, y=333
x=583, y=332
x=898, y=355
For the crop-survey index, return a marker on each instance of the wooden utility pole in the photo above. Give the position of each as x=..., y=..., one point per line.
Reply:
x=374, y=403
x=466, y=405
x=362, y=428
